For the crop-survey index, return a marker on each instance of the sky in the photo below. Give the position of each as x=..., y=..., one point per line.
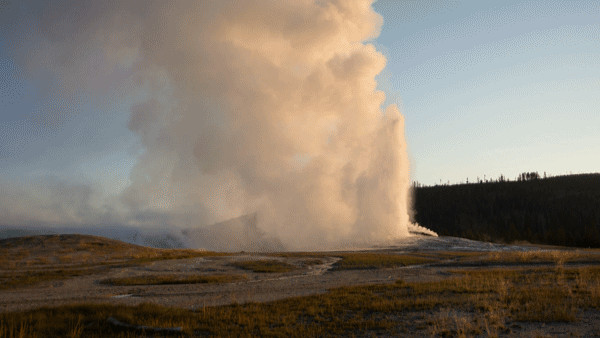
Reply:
x=494, y=87
x=185, y=114
x=485, y=87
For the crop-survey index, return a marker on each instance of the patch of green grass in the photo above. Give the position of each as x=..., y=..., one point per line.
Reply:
x=451, y=254
x=264, y=266
x=308, y=258
x=172, y=279
x=361, y=260
x=312, y=261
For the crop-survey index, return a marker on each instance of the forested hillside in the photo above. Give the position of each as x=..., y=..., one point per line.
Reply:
x=563, y=210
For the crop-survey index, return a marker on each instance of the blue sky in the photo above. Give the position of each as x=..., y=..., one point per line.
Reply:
x=68, y=137
x=486, y=87
x=494, y=87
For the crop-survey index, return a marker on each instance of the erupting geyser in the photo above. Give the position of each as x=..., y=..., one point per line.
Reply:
x=243, y=107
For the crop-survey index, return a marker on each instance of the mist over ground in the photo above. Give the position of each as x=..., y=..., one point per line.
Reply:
x=241, y=108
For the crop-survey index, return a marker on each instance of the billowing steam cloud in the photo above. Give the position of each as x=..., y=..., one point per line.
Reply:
x=266, y=107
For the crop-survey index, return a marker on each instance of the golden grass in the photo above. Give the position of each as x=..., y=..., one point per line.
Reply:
x=264, y=266
x=172, y=279
x=30, y=260
x=15, y=279
x=91, y=321
x=535, y=286
x=474, y=302
x=540, y=257
x=43, y=251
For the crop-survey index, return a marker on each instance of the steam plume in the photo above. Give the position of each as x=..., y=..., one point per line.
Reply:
x=247, y=106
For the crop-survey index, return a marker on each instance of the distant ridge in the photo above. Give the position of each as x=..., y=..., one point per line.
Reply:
x=155, y=238
x=237, y=234
x=50, y=242
x=6, y=232
x=70, y=248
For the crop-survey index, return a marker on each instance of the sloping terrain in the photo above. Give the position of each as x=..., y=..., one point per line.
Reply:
x=49, y=250
x=33, y=259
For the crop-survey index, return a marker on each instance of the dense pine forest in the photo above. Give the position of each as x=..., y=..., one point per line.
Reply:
x=562, y=210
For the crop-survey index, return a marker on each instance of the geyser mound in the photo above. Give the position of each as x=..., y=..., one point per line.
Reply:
x=241, y=107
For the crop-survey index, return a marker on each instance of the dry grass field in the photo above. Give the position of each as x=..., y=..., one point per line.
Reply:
x=148, y=292
x=34, y=259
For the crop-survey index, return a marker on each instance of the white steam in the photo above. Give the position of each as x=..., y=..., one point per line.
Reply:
x=248, y=106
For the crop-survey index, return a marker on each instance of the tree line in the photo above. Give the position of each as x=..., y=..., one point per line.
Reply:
x=561, y=210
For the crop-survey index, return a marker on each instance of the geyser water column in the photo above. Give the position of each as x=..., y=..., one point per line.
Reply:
x=275, y=110
x=247, y=106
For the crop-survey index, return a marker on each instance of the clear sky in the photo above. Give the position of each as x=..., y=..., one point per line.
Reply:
x=494, y=87
x=486, y=87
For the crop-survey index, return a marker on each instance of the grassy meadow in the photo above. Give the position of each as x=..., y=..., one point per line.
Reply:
x=31, y=260
x=488, y=302
x=478, y=293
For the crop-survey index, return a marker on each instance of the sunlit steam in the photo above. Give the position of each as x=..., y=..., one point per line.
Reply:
x=263, y=108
